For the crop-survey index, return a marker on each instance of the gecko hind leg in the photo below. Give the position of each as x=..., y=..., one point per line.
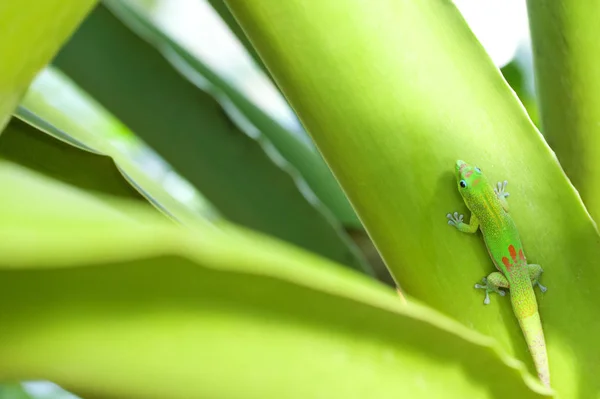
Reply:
x=535, y=273
x=492, y=283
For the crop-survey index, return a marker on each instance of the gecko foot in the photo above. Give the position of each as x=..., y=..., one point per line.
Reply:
x=489, y=287
x=543, y=288
x=535, y=273
x=500, y=189
x=454, y=219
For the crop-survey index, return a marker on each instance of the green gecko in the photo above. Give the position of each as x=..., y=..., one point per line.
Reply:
x=489, y=213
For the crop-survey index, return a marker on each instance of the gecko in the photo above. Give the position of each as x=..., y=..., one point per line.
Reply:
x=490, y=214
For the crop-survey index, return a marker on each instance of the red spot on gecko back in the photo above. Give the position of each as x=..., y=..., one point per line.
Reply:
x=512, y=252
x=476, y=182
x=469, y=173
x=521, y=256
x=506, y=263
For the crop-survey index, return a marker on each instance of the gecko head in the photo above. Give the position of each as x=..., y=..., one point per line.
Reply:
x=470, y=180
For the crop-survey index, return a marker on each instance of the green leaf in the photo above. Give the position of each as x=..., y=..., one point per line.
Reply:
x=31, y=31
x=142, y=308
x=190, y=130
x=408, y=91
x=566, y=55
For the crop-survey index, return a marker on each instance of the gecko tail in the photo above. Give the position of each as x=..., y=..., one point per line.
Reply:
x=534, y=335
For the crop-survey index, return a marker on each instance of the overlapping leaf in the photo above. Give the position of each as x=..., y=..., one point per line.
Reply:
x=189, y=129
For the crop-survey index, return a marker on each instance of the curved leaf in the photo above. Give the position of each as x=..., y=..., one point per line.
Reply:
x=400, y=91
x=31, y=31
x=189, y=129
x=56, y=106
x=24, y=144
x=143, y=309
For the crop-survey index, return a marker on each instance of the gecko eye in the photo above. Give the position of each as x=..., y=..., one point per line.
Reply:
x=477, y=169
x=463, y=183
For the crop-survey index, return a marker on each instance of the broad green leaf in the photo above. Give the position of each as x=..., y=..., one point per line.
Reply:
x=393, y=92
x=566, y=55
x=31, y=31
x=141, y=308
x=56, y=106
x=190, y=130
x=301, y=157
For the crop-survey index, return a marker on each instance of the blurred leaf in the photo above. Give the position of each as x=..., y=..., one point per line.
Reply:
x=31, y=31
x=517, y=80
x=28, y=146
x=221, y=8
x=59, y=206
x=47, y=390
x=407, y=91
x=149, y=310
x=53, y=103
x=190, y=130
x=13, y=391
x=304, y=159
x=566, y=53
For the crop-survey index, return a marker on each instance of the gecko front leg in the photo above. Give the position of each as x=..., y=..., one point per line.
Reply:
x=501, y=193
x=456, y=220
